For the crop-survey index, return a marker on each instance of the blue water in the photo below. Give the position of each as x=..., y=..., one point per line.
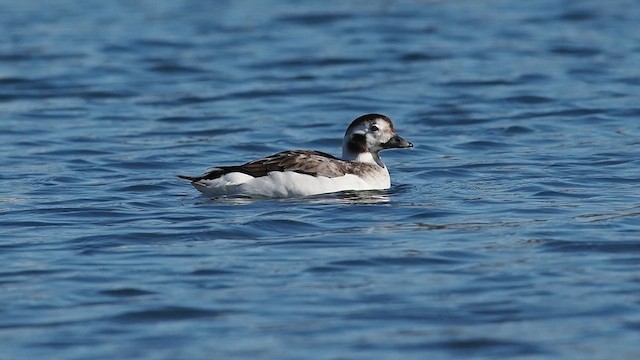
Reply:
x=512, y=229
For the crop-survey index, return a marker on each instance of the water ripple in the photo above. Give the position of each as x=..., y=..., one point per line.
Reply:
x=516, y=212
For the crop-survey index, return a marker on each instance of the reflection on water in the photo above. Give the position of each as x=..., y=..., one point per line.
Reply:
x=345, y=197
x=363, y=197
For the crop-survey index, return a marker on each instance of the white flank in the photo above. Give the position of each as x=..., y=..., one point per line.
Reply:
x=281, y=184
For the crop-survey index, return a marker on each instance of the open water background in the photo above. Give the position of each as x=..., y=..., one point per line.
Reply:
x=511, y=230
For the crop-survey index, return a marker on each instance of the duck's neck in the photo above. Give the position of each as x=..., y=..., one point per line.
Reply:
x=363, y=157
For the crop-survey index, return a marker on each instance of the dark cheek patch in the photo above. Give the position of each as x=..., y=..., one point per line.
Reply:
x=357, y=144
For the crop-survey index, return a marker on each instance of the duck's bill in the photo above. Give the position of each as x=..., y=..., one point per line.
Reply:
x=397, y=142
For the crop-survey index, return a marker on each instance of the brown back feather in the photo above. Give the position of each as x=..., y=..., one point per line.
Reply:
x=315, y=163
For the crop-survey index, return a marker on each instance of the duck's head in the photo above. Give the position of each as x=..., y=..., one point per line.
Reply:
x=369, y=134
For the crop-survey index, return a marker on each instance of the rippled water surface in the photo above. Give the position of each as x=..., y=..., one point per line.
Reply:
x=511, y=230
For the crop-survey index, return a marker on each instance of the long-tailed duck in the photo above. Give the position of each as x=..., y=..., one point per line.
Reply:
x=305, y=172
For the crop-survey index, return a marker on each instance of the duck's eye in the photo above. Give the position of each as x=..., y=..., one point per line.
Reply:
x=374, y=128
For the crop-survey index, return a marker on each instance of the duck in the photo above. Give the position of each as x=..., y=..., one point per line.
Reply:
x=298, y=173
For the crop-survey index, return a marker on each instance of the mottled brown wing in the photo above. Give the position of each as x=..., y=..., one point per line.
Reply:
x=314, y=163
